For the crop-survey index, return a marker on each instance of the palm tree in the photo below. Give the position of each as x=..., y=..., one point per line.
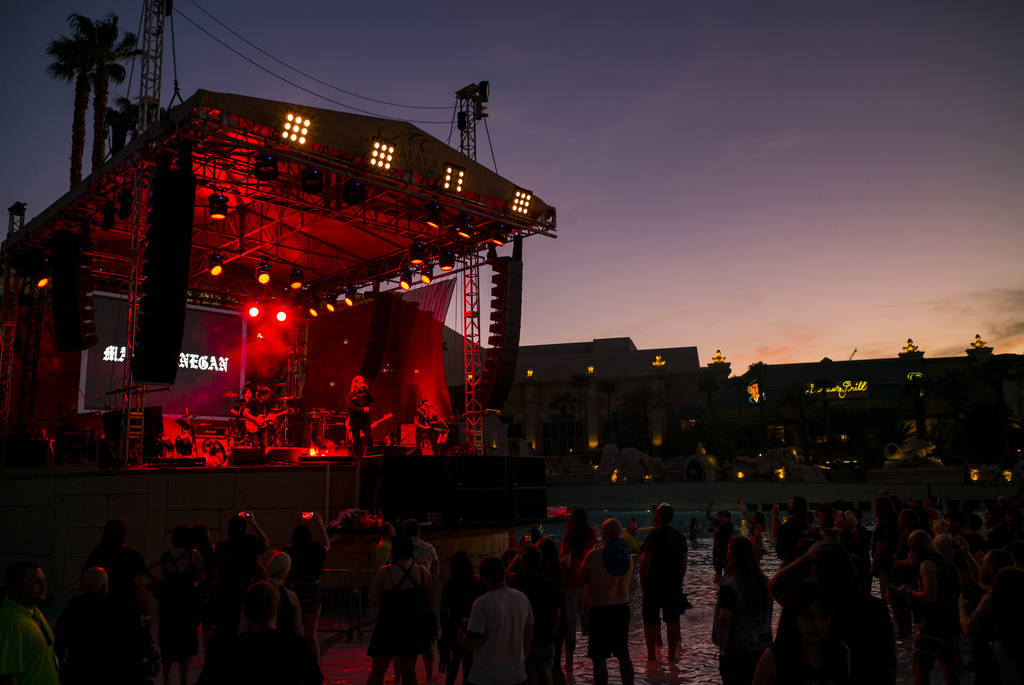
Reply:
x=708, y=384
x=109, y=48
x=72, y=64
x=121, y=120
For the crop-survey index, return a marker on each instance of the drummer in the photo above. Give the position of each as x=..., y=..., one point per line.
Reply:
x=243, y=400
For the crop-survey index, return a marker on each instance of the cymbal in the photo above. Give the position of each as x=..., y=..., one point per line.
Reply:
x=229, y=393
x=289, y=397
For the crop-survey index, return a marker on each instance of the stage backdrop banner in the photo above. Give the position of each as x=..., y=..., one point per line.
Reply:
x=412, y=363
x=211, y=363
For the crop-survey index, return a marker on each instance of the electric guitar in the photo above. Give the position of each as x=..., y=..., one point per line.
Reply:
x=262, y=421
x=374, y=424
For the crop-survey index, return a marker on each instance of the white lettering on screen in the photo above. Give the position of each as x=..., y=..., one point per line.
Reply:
x=186, y=360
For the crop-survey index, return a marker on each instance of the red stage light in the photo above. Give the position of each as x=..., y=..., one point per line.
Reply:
x=281, y=315
x=43, y=282
x=254, y=311
x=329, y=305
x=350, y=297
x=405, y=280
x=216, y=270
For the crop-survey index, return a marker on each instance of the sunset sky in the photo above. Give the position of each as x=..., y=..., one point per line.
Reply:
x=784, y=181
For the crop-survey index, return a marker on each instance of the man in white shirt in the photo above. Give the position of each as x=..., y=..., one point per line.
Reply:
x=607, y=571
x=500, y=630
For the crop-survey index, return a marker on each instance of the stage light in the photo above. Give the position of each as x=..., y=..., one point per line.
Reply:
x=312, y=180
x=42, y=282
x=381, y=155
x=295, y=279
x=521, y=201
x=313, y=308
x=281, y=315
x=453, y=178
x=350, y=297
x=329, y=302
x=296, y=128
x=433, y=215
x=405, y=280
x=216, y=265
x=416, y=253
x=254, y=311
x=499, y=231
x=426, y=274
x=218, y=206
x=263, y=273
x=353, y=192
x=264, y=167
x=465, y=229
x=447, y=261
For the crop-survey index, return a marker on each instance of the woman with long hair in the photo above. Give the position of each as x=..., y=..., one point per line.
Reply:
x=743, y=615
x=457, y=596
x=904, y=570
x=181, y=570
x=551, y=568
x=578, y=540
x=805, y=650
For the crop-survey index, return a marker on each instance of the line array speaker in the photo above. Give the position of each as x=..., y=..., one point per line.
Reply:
x=73, y=321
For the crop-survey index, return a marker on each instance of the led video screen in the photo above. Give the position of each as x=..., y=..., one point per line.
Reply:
x=211, y=364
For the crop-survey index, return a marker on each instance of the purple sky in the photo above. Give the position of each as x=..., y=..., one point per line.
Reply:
x=784, y=183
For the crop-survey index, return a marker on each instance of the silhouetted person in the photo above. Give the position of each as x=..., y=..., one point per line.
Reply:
x=26, y=641
x=662, y=569
x=743, y=614
x=264, y=653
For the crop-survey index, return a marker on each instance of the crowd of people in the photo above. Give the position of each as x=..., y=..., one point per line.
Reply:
x=950, y=583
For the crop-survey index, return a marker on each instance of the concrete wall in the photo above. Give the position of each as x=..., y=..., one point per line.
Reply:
x=695, y=496
x=55, y=517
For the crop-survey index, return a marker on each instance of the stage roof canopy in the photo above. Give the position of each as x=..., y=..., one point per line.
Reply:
x=356, y=229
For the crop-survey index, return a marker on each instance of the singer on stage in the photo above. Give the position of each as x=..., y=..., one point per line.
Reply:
x=359, y=401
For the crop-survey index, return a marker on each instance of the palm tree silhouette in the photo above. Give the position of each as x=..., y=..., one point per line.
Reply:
x=72, y=63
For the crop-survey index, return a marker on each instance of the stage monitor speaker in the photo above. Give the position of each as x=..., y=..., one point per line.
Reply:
x=247, y=456
x=285, y=455
x=165, y=271
x=403, y=484
x=73, y=322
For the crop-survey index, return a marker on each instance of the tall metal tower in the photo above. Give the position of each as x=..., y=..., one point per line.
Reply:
x=153, y=14
x=471, y=106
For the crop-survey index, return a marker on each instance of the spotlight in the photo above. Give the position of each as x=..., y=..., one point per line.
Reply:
x=263, y=273
x=465, y=229
x=381, y=155
x=218, y=206
x=295, y=279
x=521, y=201
x=329, y=301
x=265, y=166
x=405, y=280
x=296, y=128
x=453, y=177
x=216, y=265
x=353, y=192
x=426, y=274
x=447, y=261
x=350, y=297
x=109, y=211
x=500, y=231
x=312, y=180
x=313, y=308
x=281, y=315
x=433, y=215
x=42, y=282
x=254, y=311
x=416, y=253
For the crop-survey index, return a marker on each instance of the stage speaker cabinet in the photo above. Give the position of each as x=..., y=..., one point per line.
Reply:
x=73, y=322
x=24, y=452
x=402, y=483
x=477, y=490
x=247, y=456
x=527, y=488
x=407, y=435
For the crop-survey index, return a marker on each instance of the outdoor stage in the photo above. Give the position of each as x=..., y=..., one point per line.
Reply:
x=240, y=240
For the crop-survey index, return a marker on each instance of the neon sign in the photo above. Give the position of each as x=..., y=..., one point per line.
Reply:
x=754, y=394
x=839, y=390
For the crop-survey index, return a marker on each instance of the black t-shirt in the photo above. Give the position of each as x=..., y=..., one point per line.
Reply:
x=93, y=639
x=864, y=624
x=544, y=601
x=667, y=548
x=976, y=542
x=790, y=533
x=457, y=599
x=273, y=657
x=722, y=535
x=307, y=562
x=123, y=565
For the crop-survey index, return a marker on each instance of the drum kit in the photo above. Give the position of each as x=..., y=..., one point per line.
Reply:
x=319, y=427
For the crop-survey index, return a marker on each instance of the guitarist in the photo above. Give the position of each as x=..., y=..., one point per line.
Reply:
x=359, y=401
x=256, y=411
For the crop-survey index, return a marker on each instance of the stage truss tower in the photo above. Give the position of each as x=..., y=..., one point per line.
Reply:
x=470, y=108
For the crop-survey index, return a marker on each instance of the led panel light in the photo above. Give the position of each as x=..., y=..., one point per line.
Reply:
x=296, y=128
x=454, y=176
x=521, y=201
x=381, y=155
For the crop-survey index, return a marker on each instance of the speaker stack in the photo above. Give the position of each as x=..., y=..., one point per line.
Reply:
x=73, y=322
